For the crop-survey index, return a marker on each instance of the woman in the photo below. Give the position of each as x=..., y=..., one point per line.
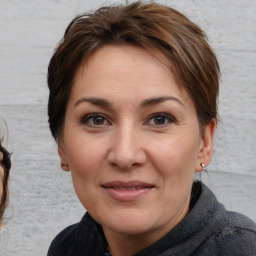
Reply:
x=132, y=106
x=5, y=166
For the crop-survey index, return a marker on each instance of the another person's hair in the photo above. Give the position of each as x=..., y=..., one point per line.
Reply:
x=150, y=26
x=5, y=162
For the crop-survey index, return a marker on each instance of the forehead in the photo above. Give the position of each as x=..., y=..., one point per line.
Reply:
x=126, y=69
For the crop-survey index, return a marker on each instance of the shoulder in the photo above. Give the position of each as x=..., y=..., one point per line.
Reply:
x=237, y=237
x=64, y=241
x=232, y=234
x=68, y=241
x=222, y=232
x=232, y=239
x=83, y=238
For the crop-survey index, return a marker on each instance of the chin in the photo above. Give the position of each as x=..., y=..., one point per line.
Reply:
x=130, y=230
x=129, y=223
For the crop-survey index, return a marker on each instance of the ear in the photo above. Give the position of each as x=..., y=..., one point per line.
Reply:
x=63, y=160
x=205, y=154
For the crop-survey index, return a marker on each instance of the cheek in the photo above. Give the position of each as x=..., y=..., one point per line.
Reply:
x=85, y=166
x=83, y=152
x=86, y=158
x=175, y=156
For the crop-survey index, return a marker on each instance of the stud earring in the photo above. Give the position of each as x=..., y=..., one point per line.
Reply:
x=203, y=167
x=64, y=165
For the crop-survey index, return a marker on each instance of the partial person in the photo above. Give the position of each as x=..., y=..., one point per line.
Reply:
x=133, y=109
x=5, y=166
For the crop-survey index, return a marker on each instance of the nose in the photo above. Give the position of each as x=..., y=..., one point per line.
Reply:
x=127, y=149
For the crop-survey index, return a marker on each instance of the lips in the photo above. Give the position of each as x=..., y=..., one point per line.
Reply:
x=127, y=191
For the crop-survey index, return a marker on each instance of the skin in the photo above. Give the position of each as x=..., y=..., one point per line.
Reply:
x=129, y=139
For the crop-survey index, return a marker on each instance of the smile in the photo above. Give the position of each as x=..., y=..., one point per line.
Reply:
x=127, y=191
x=129, y=188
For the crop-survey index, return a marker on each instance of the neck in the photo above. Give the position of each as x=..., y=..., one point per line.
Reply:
x=121, y=244
x=129, y=244
x=125, y=245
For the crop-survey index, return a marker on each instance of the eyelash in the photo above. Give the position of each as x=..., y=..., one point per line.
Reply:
x=168, y=117
x=86, y=119
x=90, y=117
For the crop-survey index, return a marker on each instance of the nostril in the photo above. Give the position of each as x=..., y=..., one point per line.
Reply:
x=126, y=153
x=125, y=164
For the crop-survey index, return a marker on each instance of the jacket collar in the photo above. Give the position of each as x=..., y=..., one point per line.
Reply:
x=180, y=241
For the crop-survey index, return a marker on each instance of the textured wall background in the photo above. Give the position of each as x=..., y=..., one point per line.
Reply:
x=42, y=199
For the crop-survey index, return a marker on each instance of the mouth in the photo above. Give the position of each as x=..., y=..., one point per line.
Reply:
x=127, y=191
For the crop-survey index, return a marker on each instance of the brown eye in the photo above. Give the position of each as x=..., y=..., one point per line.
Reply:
x=161, y=119
x=98, y=120
x=95, y=119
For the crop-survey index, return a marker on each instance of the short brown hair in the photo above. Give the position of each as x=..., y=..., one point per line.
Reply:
x=151, y=26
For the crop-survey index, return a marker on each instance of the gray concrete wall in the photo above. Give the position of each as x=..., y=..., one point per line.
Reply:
x=42, y=199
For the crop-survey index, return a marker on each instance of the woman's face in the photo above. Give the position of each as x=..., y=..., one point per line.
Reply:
x=132, y=141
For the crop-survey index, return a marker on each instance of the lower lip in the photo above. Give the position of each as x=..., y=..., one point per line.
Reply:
x=127, y=195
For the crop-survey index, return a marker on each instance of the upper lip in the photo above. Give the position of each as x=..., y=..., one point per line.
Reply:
x=127, y=184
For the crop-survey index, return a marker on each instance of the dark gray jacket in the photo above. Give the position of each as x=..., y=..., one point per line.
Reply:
x=208, y=230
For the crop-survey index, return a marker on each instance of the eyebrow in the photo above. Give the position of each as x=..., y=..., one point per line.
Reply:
x=157, y=100
x=147, y=102
x=95, y=101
